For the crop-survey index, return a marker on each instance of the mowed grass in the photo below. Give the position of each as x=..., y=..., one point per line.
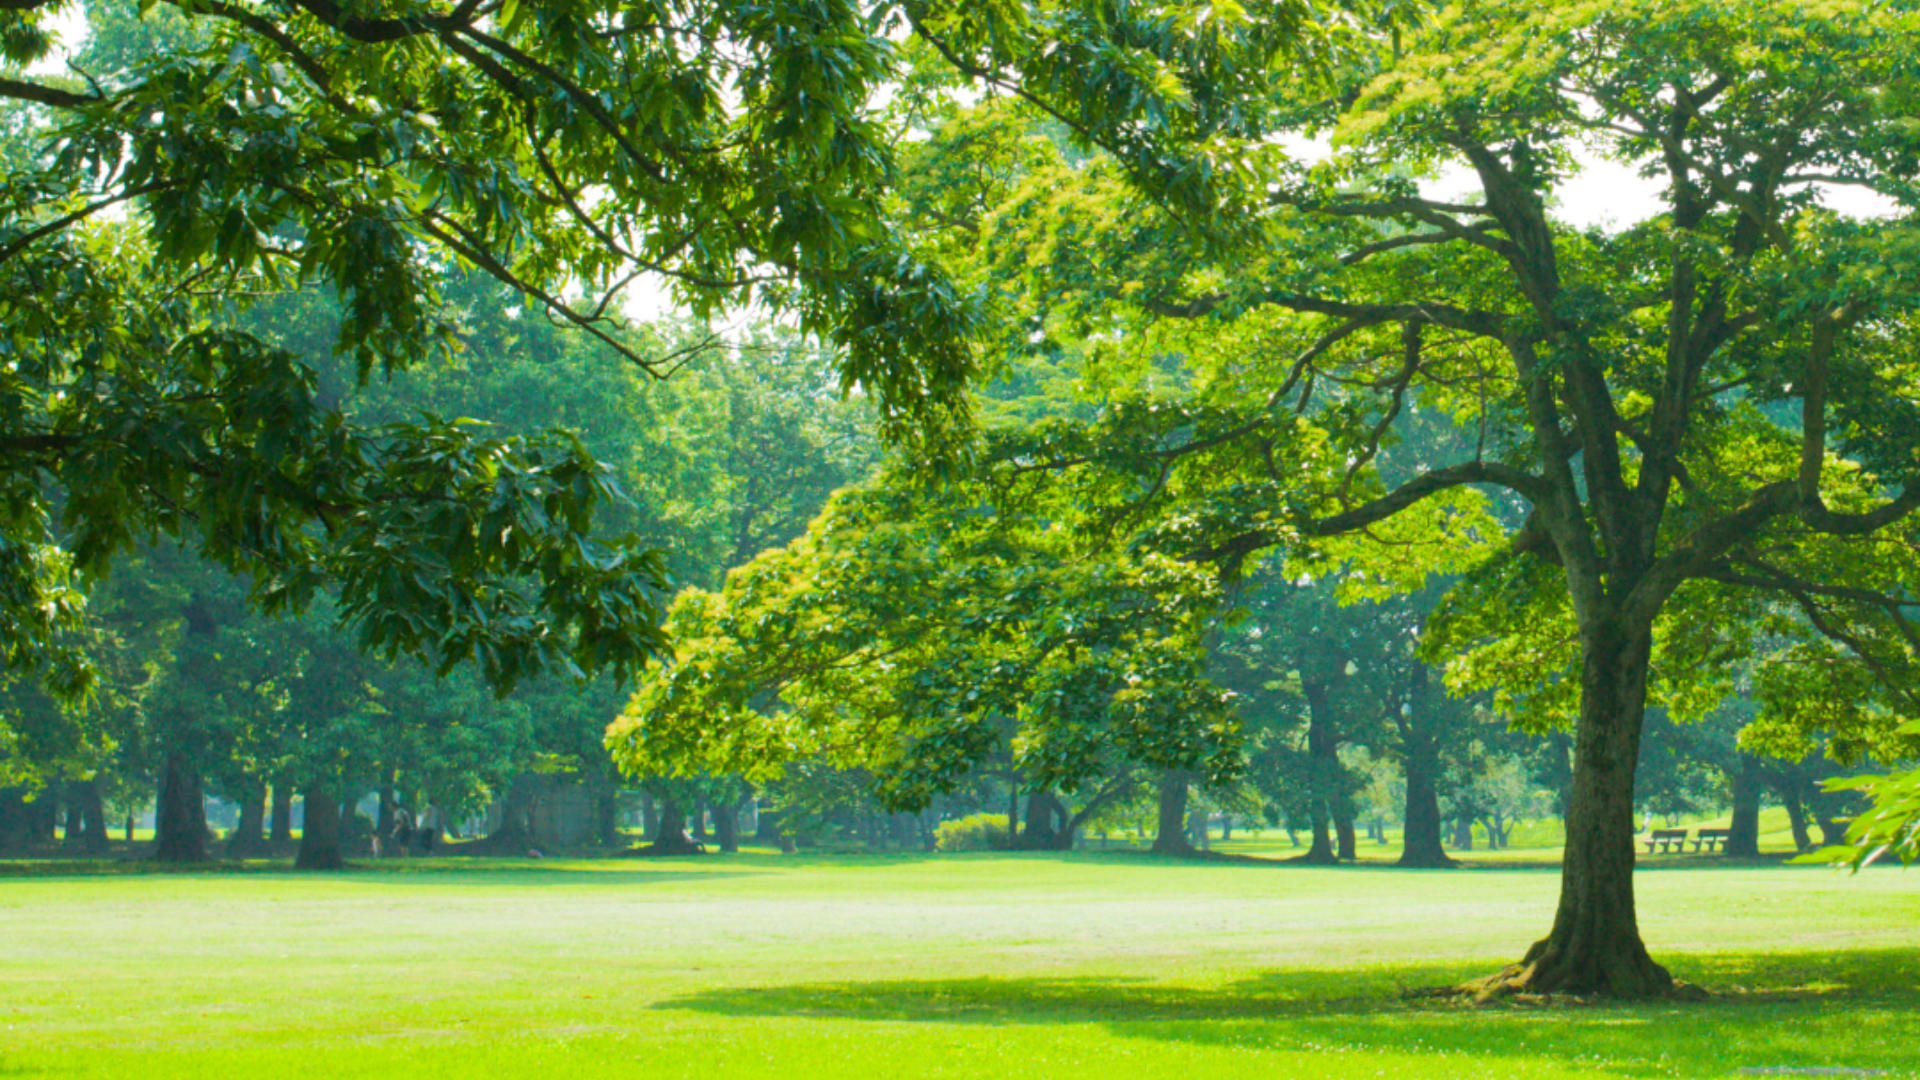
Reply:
x=1004, y=966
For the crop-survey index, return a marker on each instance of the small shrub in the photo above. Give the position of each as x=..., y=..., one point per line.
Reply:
x=976, y=832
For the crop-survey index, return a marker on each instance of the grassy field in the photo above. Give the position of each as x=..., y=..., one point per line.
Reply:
x=958, y=966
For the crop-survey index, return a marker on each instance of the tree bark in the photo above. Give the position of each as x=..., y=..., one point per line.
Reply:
x=1743, y=833
x=1170, y=835
x=726, y=827
x=1420, y=835
x=320, y=834
x=1322, y=761
x=94, y=811
x=1595, y=944
x=247, y=839
x=1786, y=784
x=15, y=831
x=1343, y=832
x=180, y=814
x=280, y=832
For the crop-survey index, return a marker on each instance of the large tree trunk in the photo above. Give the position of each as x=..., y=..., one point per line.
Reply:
x=1420, y=837
x=280, y=831
x=726, y=826
x=180, y=814
x=1595, y=944
x=1170, y=835
x=248, y=839
x=1743, y=834
x=320, y=834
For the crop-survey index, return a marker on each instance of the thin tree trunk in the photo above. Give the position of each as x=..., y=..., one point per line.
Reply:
x=1595, y=944
x=180, y=820
x=383, y=821
x=726, y=827
x=74, y=826
x=1787, y=786
x=320, y=834
x=1170, y=835
x=280, y=832
x=1743, y=834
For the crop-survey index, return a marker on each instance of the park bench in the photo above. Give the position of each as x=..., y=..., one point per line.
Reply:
x=1673, y=840
x=1713, y=838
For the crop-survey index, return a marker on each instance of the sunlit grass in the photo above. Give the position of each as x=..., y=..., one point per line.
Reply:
x=959, y=966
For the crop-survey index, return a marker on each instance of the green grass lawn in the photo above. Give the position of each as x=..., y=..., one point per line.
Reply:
x=1003, y=966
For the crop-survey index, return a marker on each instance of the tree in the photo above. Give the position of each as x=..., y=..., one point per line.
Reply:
x=376, y=156
x=919, y=638
x=1701, y=414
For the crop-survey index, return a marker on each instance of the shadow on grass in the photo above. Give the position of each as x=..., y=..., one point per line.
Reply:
x=1844, y=1010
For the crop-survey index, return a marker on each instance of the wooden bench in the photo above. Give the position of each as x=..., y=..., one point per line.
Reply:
x=1713, y=838
x=1674, y=840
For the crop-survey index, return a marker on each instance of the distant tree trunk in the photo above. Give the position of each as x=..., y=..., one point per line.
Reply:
x=129, y=826
x=1344, y=832
x=1226, y=827
x=1420, y=836
x=1049, y=826
x=74, y=826
x=606, y=810
x=94, y=812
x=1170, y=834
x=671, y=836
x=280, y=832
x=1797, y=820
x=15, y=828
x=383, y=820
x=1013, y=813
x=248, y=839
x=180, y=814
x=1323, y=763
x=649, y=815
x=320, y=835
x=698, y=823
x=1463, y=833
x=514, y=834
x=1743, y=834
x=46, y=816
x=726, y=826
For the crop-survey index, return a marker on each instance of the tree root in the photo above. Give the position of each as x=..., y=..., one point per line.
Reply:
x=1523, y=984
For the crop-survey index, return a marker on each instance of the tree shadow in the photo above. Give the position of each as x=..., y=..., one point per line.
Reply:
x=1839, y=1010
